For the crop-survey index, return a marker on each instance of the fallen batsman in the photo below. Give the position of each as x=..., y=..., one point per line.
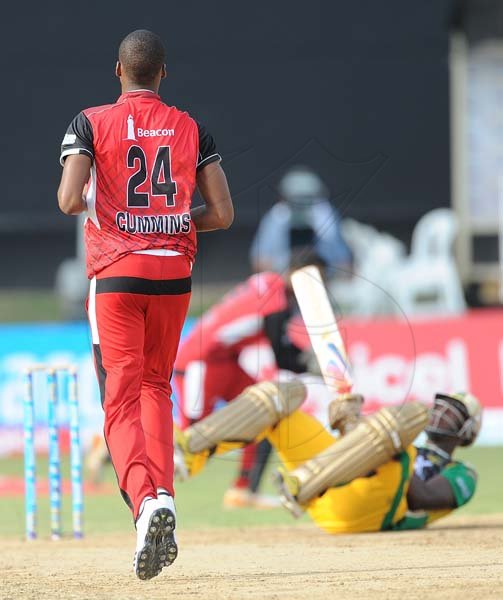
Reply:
x=370, y=478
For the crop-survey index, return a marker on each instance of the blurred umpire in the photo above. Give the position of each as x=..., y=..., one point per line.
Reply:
x=141, y=161
x=303, y=217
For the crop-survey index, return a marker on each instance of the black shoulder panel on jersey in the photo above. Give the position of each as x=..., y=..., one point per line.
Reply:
x=78, y=139
x=207, y=148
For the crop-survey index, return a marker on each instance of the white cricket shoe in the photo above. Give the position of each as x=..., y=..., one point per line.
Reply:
x=155, y=542
x=168, y=543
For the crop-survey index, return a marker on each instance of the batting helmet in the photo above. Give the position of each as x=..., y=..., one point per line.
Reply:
x=455, y=415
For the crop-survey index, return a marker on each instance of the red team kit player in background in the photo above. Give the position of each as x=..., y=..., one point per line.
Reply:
x=208, y=369
x=141, y=161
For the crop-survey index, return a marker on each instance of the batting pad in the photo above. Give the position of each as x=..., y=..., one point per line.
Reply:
x=260, y=406
x=375, y=440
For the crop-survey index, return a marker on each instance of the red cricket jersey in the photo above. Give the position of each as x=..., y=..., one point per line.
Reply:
x=235, y=322
x=145, y=157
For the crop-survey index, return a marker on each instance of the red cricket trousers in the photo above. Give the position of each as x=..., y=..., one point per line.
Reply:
x=137, y=307
x=199, y=388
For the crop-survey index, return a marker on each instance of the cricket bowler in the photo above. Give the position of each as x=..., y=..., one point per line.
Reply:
x=141, y=161
x=370, y=479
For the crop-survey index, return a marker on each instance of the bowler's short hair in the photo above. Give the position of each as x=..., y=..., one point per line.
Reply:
x=142, y=55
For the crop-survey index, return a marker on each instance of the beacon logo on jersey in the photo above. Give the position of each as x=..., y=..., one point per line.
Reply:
x=134, y=134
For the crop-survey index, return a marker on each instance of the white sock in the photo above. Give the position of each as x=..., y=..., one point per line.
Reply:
x=167, y=499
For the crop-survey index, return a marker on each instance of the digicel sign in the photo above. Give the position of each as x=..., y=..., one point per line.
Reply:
x=391, y=377
x=394, y=360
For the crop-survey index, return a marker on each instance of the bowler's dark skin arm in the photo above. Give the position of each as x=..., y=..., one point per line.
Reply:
x=76, y=171
x=217, y=212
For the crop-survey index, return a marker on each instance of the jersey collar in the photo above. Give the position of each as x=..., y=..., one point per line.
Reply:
x=434, y=448
x=139, y=94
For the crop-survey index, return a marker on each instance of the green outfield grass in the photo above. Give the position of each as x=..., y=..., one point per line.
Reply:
x=489, y=494
x=199, y=500
x=29, y=305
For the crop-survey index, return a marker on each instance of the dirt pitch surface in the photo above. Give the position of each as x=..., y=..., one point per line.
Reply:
x=461, y=558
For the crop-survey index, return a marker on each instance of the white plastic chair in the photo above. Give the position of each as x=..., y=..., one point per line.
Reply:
x=375, y=256
x=427, y=283
x=360, y=238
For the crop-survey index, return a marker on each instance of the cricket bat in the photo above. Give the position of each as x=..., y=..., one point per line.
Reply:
x=321, y=325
